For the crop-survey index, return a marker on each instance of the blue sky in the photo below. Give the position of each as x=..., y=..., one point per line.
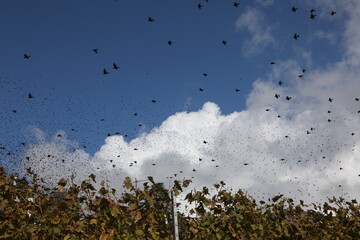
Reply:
x=73, y=97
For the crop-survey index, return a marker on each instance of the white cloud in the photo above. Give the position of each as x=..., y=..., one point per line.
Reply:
x=254, y=22
x=265, y=3
x=282, y=154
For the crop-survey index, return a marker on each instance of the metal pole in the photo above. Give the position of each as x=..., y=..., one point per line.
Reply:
x=175, y=217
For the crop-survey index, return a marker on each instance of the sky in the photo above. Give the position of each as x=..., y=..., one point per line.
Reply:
x=235, y=97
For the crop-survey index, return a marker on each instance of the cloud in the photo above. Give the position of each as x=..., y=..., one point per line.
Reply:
x=265, y=3
x=254, y=22
x=300, y=153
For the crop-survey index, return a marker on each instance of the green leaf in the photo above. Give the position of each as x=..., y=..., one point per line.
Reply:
x=139, y=232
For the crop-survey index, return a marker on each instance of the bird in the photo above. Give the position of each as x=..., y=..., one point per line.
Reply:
x=301, y=75
x=237, y=90
x=333, y=13
x=224, y=42
x=154, y=101
x=280, y=83
x=268, y=109
x=277, y=95
x=116, y=67
x=201, y=89
x=331, y=99
x=27, y=56
x=205, y=142
x=105, y=71
x=150, y=19
x=294, y=9
x=312, y=10
x=95, y=50
x=272, y=63
x=288, y=98
x=205, y=74
x=170, y=43
x=236, y=4
x=357, y=99
x=312, y=16
x=199, y=6
x=296, y=36
x=30, y=95
x=14, y=111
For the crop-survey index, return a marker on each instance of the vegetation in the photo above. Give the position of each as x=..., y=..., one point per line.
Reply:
x=29, y=210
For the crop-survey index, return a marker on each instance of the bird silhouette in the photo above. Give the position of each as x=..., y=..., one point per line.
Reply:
x=294, y=9
x=280, y=83
x=357, y=99
x=154, y=101
x=237, y=90
x=199, y=6
x=236, y=4
x=201, y=89
x=170, y=42
x=150, y=19
x=27, y=56
x=205, y=142
x=312, y=16
x=95, y=50
x=105, y=71
x=277, y=95
x=288, y=98
x=205, y=74
x=333, y=13
x=224, y=42
x=30, y=95
x=116, y=67
x=272, y=63
x=331, y=99
x=296, y=36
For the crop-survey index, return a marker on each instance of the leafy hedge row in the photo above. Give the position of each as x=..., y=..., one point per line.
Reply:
x=29, y=210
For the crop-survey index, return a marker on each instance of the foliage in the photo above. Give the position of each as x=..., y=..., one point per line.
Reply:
x=29, y=210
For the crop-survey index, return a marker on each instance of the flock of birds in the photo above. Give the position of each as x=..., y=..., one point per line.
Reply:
x=4, y=148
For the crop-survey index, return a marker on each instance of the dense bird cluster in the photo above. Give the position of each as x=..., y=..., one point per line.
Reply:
x=43, y=100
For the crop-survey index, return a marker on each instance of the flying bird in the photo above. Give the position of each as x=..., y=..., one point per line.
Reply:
x=224, y=42
x=154, y=101
x=312, y=16
x=296, y=36
x=294, y=9
x=288, y=98
x=170, y=42
x=237, y=90
x=105, y=71
x=272, y=63
x=280, y=83
x=236, y=4
x=150, y=19
x=30, y=95
x=199, y=6
x=201, y=89
x=333, y=13
x=95, y=50
x=357, y=99
x=277, y=95
x=27, y=56
x=116, y=67
x=205, y=74
x=331, y=99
